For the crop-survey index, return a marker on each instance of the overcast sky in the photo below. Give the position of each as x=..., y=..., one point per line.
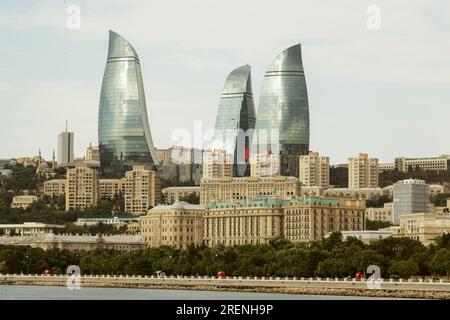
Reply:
x=384, y=91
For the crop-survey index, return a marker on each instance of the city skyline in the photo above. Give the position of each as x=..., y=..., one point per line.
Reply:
x=395, y=76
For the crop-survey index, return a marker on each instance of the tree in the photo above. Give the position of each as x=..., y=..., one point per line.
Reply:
x=191, y=198
x=440, y=263
x=376, y=225
x=404, y=268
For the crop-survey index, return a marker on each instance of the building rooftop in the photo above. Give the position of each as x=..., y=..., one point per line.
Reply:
x=178, y=205
x=269, y=202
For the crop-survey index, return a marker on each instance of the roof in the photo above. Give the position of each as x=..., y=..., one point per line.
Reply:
x=178, y=205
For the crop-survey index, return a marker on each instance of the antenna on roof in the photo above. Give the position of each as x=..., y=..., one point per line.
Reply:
x=66, y=125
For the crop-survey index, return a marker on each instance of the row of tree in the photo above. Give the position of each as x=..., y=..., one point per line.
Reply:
x=331, y=257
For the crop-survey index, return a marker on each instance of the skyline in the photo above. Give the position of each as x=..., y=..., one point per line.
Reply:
x=384, y=92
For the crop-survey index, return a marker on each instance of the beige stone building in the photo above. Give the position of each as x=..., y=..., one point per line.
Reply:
x=356, y=193
x=92, y=153
x=422, y=226
x=55, y=187
x=440, y=163
x=110, y=188
x=314, y=170
x=383, y=214
x=298, y=220
x=310, y=219
x=177, y=225
x=217, y=164
x=383, y=167
x=229, y=189
x=312, y=191
x=142, y=190
x=173, y=194
x=362, y=172
x=79, y=243
x=81, y=187
x=264, y=165
x=23, y=201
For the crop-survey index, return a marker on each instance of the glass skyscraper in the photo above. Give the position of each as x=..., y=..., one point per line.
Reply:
x=282, y=123
x=236, y=114
x=123, y=130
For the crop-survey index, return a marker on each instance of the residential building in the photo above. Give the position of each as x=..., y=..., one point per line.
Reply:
x=236, y=119
x=357, y=193
x=383, y=214
x=217, y=164
x=111, y=188
x=173, y=194
x=362, y=172
x=241, y=188
x=142, y=190
x=55, y=187
x=115, y=221
x=314, y=170
x=264, y=165
x=178, y=225
x=384, y=167
x=282, y=122
x=23, y=201
x=440, y=163
x=81, y=186
x=410, y=196
x=123, y=129
x=92, y=153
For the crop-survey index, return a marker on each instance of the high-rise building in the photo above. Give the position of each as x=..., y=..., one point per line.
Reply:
x=81, y=186
x=314, y=170
x=236, y=118
x=64, y=149
x=142, y=190
x=123, y=129
x=362, y=172
x=92, y=153
x=217, y=164
x=282, y=123
x=264, y=165
x=410, y=196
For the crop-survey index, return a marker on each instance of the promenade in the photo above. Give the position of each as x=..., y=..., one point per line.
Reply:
x=430, y=289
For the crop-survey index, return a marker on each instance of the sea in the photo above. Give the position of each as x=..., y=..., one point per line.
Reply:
x=23, y=292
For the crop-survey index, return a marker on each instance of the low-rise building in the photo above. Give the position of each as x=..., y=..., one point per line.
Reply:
x=383, y=214
x=23, y=201
x=366, y=236
x=440, y=163
x=173, y=194
x=28, y=228
x=115, y=221
x=357, y=193
x=55, y=187
x=178, y=225
x=126, y=243
x=248, y=188
x=424, y=227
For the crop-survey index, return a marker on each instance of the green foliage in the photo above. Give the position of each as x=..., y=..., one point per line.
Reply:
x=378, y=202
x=191, y=198
x=331, y=257
x=99, y=228
x=375, y=225
x=387, y=178
x=440, y=200
x=339, y=177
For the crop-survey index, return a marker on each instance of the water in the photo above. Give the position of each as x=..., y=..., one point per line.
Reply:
x=19, y=292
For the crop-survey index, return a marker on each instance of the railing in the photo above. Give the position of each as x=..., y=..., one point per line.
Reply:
x=231, y=278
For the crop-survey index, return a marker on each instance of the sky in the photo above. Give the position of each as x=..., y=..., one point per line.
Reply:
x=384, y=91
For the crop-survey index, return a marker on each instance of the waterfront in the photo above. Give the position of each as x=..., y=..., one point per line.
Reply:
x=23, y=292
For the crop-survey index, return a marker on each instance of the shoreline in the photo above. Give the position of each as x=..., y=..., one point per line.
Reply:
x=306, y=288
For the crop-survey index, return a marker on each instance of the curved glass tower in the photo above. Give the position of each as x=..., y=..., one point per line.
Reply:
x=282, y=124
x=236, y=115
x=123, y=131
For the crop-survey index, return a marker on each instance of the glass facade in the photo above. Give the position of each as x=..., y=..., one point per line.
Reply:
x=123, y=129
x=236, y=114
x=282, y=124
